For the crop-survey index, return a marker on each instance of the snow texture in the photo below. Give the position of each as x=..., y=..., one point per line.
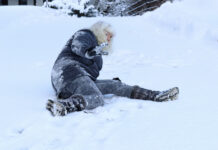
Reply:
x=73, y=7
x=176, y=45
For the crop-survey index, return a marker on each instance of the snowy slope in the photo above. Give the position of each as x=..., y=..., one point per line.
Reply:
x=176, y=45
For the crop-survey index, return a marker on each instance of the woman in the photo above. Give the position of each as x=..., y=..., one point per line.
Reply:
x=75, y=72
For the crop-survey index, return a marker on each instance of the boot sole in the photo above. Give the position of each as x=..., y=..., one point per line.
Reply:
x=174, y=93
x=171, y=94
x=56, y=108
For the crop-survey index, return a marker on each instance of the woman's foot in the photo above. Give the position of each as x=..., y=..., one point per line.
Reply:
x=56, y=108
x=171, y=94
x=65, y=106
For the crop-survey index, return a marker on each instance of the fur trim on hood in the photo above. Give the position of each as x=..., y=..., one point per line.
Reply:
x=99, y=29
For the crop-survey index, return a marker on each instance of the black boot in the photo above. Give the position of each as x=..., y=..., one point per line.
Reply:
x=144, y=94
x=65, y=106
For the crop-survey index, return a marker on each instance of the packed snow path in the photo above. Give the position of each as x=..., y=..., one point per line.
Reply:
x=176, y=45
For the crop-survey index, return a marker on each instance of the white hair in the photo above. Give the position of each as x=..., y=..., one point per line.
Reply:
x=99, y=29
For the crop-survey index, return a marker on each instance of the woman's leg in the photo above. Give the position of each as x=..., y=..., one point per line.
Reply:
x=118, y=88
x=81, y=94
x=88, y=89
x=135, y=92
x=115, y=87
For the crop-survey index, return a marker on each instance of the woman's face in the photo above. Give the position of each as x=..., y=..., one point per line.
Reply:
x=109, y=36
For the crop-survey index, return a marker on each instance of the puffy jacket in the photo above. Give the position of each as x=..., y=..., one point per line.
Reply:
x=72, y=62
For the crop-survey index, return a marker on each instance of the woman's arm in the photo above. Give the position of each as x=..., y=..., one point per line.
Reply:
x=82, y=43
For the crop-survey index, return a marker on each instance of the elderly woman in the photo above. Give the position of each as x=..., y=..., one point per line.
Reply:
x=75, y=72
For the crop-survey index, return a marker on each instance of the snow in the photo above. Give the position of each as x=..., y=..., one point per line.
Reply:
x=66, y=6
x=176, y=45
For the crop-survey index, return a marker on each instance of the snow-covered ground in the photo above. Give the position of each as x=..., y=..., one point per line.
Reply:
x=176, y=45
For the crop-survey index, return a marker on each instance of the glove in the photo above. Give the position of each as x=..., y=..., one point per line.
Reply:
x=98, y=50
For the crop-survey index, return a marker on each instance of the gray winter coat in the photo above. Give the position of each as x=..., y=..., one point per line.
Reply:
x=72, y=62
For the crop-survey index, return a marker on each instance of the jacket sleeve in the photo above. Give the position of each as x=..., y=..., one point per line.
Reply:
x=82, y=43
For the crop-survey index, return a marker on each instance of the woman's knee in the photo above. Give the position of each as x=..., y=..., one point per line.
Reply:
x=94, y=101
